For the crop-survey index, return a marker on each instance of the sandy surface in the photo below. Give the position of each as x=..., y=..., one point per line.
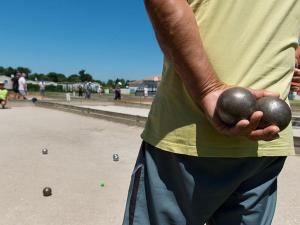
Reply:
x=79, y=159
x=121, y=109
x=288, y=205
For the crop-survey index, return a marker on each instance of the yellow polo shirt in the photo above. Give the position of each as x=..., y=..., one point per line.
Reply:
x=250, y=43
x=3, y=94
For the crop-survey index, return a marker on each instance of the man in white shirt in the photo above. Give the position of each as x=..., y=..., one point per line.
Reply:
x=145, y=91
x=42, y=86
x=23, y=86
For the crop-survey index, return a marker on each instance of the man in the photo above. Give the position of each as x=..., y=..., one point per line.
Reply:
x=15, y=84
x=42, y=86
x=80, y=90
x=3, y=95
x=191, y=168
x=99, y=89
x=22, y=86
x=118, y=91
x=88, y=90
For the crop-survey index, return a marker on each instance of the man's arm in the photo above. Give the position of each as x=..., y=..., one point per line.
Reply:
x=178, y=35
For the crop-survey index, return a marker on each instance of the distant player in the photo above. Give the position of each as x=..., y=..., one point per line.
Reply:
x=42, y=85
x=22, y=86
x=3, y=95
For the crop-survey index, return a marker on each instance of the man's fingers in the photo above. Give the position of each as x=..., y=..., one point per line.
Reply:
x=262, y=93
x=238, y=129
x=242, y=124
x=254, y=120
x=245, y=127
x=269, y=133
x=271, y=138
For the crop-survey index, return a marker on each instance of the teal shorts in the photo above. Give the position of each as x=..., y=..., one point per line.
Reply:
x=172, y=189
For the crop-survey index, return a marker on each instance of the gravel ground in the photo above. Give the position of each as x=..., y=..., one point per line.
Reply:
x=121, y=109
x=79, y=160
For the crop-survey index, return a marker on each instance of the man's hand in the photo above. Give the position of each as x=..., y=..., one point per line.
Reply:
x=246, y=128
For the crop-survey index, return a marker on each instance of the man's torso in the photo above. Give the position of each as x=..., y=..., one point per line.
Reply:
x=250, y=44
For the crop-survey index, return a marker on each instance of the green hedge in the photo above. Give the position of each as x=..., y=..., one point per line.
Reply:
x=52, y=88
x=49, y=88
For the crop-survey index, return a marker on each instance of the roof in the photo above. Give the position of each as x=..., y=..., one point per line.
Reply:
x=4, y=76
x=135, y=82
x=158, y=77
x=139, y=82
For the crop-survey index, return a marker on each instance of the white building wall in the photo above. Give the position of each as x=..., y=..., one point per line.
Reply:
x=7, y=81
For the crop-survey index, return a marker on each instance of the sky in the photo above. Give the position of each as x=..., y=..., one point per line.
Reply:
x=108, y=39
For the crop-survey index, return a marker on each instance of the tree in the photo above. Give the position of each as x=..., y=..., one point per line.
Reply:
x=24, y=70
x=110, y=83
x=39, y=77
x=85, y=76
x=81, y=72
x=102, y=83
x=2, y=70
x=9, y=71
x=122, y=81
x=74, y=78
x=56, y=77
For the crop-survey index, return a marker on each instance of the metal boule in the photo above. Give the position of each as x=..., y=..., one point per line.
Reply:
x=34, y=100
x=115, y=157
x=45, y=151
x=47, y=191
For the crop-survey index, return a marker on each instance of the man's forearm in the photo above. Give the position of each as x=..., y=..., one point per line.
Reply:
x=178, y=35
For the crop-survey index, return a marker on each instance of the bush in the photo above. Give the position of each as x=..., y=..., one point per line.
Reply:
x=53, y=88
x=33, y=87
x=49, y=88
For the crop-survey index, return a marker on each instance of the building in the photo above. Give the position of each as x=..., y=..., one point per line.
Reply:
x=7, y=82
x=151, y=83
x=134, y=85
